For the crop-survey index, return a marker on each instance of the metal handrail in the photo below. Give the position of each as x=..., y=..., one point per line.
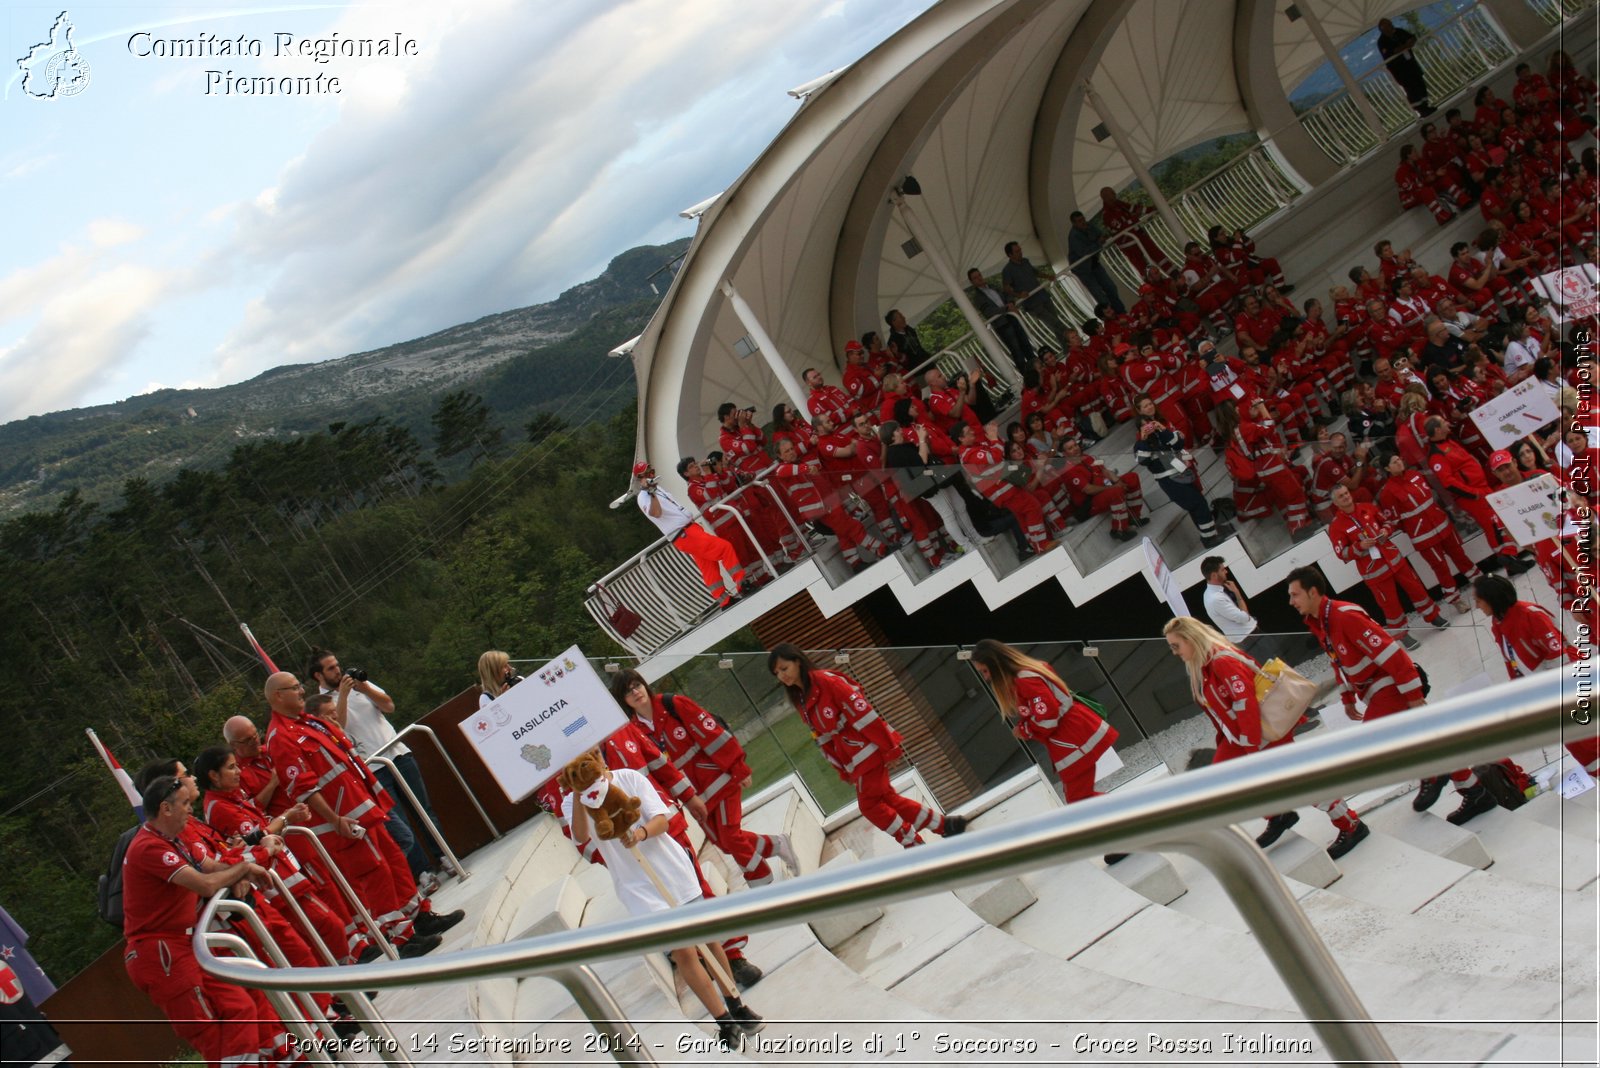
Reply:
x=1183, y=813
x=462, y=872
x=423, y=728
x=356, y=906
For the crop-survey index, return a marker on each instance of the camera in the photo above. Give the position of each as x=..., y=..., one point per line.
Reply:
x=359, y=674
x=254, y=837
x=510, y=678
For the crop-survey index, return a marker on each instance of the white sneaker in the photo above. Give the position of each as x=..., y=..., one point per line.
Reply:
x=783, y=849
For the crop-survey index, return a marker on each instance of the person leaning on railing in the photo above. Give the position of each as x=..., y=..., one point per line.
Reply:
x=1222, y=680
x=718, y=562
x=859, y=743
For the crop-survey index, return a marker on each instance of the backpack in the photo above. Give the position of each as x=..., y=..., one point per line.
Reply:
x=108, y=894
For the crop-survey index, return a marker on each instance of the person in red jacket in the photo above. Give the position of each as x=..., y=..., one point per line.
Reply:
x=985, y=461
x=827, y=400
x=1335, y=466
x=1361, y=536
x=863, y=385
x=1094, y=490
x=1567, y=565
x=1042, y=708
x=1222, y=680
x=1124, y=224
x=814, y=499
x=1463, y=478
x=1529, y=640
x=319, y=766
x=1415, y=187
x=163, y=888
x=713, y=764
x=1371, y=665
x=1407, y=501
x=233, y=813
x=707, y=490
x=1259, y=465
x=859, y=743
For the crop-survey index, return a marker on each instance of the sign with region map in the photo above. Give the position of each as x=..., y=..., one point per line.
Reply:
x=533, y=730
x=1533, y=510
x=1516, y=413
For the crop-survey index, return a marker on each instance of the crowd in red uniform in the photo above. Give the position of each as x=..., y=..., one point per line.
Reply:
x=307, y=774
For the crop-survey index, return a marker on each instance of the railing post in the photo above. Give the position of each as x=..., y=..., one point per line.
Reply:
x=603, y=1011
x=749, y=535
x=422, y=728
x=343, y=884
x=1291, y=943
x=427, y=821
x=284, y=1003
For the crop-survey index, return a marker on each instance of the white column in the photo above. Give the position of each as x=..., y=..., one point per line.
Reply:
x=1146, y=179
x=769, y=352
x=999, y=356
x=1351, y=86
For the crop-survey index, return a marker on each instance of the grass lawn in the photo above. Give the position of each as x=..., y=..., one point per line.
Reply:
x=786, y=746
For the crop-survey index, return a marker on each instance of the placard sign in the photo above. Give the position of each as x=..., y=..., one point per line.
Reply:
x=1533, y=510
x=1159, y=575
x=533, y=730
x=1573, y=292
x=1516, y=413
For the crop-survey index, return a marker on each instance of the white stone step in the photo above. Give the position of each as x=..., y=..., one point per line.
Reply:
x=1163, y=948
x=1579, y=817
x=1429, y=831
x=1533, y=852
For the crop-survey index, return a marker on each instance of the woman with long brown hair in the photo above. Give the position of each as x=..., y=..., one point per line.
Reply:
x=1040, y=707
x=858, y=742
x=1222, y=680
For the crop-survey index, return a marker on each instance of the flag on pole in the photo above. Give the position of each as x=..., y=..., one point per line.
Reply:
x=122, y=777
x=260, y=652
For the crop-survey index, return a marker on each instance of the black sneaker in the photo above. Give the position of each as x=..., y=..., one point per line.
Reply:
x=745, y=973
x=1516, y=566
x=729, y=1033
x=420, y=946
x=748, y=1019
x=371, y=953
x=1348, y=840
x=1474, y=802
x=1114, y=858
x=1410, y=643
x=1276, y=825
x=1428, y=793
x=432, y=923
x=954, y=825
x=346, y=1028
x=1441, y=623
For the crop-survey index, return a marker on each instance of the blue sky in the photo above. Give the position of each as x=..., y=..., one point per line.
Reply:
x=156, y=236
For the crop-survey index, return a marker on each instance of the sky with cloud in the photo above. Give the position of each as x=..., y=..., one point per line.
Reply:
x=159, y=236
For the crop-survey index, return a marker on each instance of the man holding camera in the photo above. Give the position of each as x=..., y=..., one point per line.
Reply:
x=363, y=709
x=718, y=563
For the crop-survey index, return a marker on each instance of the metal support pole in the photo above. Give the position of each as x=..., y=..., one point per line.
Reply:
x=804, y=544
x=300, y=914
x=603, y=1011
x=1290, y=942
x=769, y=351
x=298, y=1012
x=1140, y=171
x=417, y=810
x=958, y=293
x=349, y=895
x=422, y=728
x=283, y=1002
x=748, y=533
x=1351, y=86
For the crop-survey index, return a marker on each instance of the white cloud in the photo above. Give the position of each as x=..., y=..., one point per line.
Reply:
x=541, y=140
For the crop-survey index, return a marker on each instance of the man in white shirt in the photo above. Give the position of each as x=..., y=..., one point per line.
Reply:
x=719, y=565
x=363, y=709
x=1224, y=602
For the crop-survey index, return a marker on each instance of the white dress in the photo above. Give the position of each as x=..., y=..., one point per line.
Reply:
x=634, y=888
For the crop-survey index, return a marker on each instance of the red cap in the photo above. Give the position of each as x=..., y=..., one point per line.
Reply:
x=852, y=346
x=641, y=469
x=1122, y=349
x=1500, y=458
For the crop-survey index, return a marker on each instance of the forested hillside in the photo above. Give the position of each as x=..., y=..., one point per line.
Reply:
x=408, y=529
x=523, y=362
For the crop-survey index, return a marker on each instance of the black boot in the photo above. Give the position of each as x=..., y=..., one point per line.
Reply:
x=1348, y=840
x=1474, y=802
x=729, y=1033
x=1276, y=825
x=743, y=1015
x=1428, y=793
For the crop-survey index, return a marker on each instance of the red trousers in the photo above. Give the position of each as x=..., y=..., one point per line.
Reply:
x=1446, y=558
x=899, y=816
x=710, y=554
x=378, y=873
x=223, y=1023
x=1484, y=516
x=748, y=849
x=1384, y=591
x=1586, y=751
x=1025, y=506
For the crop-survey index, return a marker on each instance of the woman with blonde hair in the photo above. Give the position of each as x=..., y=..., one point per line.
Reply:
x=1042, y=708
x=1222, y=680
x=495, y=675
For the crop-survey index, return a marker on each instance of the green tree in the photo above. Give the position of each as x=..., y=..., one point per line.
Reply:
x=543, y=425
x=461, y=423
